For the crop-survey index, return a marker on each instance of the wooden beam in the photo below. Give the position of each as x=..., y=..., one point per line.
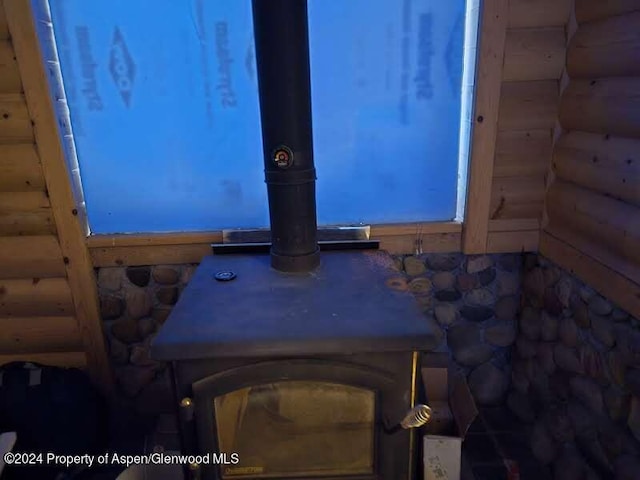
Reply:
x=39, y=334
x=595, y=249
x=522, y=153
x=20, y=168
x=65, y=210
x=603, y=278
x=493, y=31
x=31, y=257
x=539, y=13
x=15, y=124
x=607, y=106
x=25, y=213
x=514, y=225
x=589, y=10
x=35, y=297
x=508, y=242
x=438, y=237
x=602, y=173
x=4, y=29
x=529, y=105
x=56, y=359
x=149, y=255
x=534, y=54
x=429, y=243
x=9, y=75
x=606, y=48
x=611, y=222
x=517, y=197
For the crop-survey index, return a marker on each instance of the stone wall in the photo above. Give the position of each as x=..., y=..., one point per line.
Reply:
x=134, y=303
x=576, y=377
x=474, y=302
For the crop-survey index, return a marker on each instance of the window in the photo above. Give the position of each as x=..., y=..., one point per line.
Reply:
x=164, y=110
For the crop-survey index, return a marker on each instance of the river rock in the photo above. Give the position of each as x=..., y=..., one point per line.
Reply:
x=110, y=278
x=534, y=286
x=586, y=293
x=165, y=275
x=588, y=393
x=507, y=308
x=510, y=262
x=446, y=314
x=580, y=313
x=444, y=261
x=582, y=419
x=632, y=380
x=118, y=351
x=526, y=348
x=530, y=323
x=420, y=286
x=125, y=330
x=476, y=314
x=466, y=282
x=480, y=297
x=146, y=327
x=138, y=302
x=551, y=302
x=111, y=306
x=558, y=424
x=465, y=342
x=448, y=295
x=167, y=295
x=132, y=379
x=548, y=327
x=564, y=290
x=569, y=465
x=414, y=266
x=633, y=421
x=567, y=358
x=599, y=305
x=477, y=264
x=544, y=353
x=559, y=385
x=619, y=315
x=593, y=363
x=543, y=446
x=487, y=276
x=139, y=276
x=568, y=332
x=444, y=281
x=502, y=334
x=618, y=403
x=602, y=328
x=488, y=384
x=187, y=273
x=520, y=405
x=508, y=283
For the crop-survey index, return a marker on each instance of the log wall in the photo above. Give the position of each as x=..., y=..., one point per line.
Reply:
x=42, y=312
x=508, y=204
x=593, y=204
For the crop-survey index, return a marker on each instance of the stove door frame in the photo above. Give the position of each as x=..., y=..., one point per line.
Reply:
x=383, y=384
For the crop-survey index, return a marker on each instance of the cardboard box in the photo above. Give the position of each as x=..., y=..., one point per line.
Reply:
x=453, y=412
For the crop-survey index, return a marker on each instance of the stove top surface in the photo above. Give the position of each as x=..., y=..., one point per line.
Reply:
x=352, y=303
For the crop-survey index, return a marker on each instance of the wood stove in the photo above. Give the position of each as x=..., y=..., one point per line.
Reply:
x=299, y=363
x=302, y=375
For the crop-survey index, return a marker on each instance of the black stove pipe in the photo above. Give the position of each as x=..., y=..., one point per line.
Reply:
x=282, y=57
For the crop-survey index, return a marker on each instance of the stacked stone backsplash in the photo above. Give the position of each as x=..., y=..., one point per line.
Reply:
x=134, y=303
x=576, y=377
x=474, y=302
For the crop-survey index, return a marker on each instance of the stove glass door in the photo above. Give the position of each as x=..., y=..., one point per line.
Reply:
x=297, y=428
